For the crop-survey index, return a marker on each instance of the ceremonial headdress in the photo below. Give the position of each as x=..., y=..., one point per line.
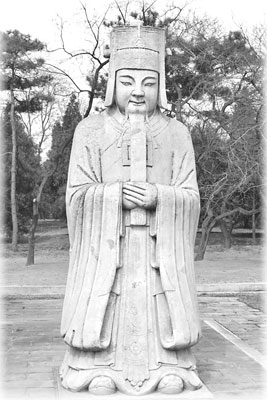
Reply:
x=137, y=47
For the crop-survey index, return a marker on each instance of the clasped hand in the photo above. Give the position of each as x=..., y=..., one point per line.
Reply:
x=139, y=194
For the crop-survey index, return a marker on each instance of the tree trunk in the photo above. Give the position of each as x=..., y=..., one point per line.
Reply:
x=206, y=227
x=226, y=234
x=93, y=88
x=14, y=245
x=202, y=245
x=210, y=221
x=31, y=239
x=35, y=216
x=178, y=103
x=253, y=220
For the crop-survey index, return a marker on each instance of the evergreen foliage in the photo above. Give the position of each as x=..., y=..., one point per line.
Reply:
x=20, y=74
x=59, y=155
x=21, y=69
x=215, y=84
x=27, y=170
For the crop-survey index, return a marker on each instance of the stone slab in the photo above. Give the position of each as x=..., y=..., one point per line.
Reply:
x=231, y=287
x=228, y=335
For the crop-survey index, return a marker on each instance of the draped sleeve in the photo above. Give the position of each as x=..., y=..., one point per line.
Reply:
x=94, y=217
x=177, y=217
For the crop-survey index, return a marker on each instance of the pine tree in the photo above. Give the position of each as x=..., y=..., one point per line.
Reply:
x=62, y=135
x=20, y=73
x=27, y=172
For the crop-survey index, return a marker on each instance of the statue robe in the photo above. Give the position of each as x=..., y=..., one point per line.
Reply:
x=130, y=305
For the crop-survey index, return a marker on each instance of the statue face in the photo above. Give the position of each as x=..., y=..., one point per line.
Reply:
x=136, y=91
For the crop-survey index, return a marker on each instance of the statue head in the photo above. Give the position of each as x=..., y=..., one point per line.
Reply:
x=137, y=69
x=136, y=91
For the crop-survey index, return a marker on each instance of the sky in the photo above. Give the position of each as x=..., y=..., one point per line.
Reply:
x=38, y=17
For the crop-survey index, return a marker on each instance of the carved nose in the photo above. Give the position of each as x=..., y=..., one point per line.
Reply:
x=138, y=91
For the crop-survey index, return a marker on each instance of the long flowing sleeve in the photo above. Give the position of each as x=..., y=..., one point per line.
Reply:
x=94, y=215
x=177, y=218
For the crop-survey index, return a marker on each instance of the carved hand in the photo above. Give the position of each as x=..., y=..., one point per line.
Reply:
x=127, y=204
x=141, y=194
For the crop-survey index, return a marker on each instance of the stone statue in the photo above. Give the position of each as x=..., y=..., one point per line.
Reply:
x=130, y=312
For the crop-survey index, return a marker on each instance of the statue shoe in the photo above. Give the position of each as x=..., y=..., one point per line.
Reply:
x=102, y=385
x=170, y=384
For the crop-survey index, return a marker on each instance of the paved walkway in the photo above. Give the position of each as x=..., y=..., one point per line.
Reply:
x=34, y=349
x=231, y=356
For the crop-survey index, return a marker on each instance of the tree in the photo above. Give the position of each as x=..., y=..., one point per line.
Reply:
x=214, y=84
x=93, y=56
x=62, y=133
x=227, y=172
x=54, y=171
x=40, y=111
x=20, y=72
x=27, y=172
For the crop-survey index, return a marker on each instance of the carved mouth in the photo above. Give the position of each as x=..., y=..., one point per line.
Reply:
x=137, y=103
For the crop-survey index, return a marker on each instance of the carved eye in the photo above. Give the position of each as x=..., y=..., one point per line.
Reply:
x=126, y=83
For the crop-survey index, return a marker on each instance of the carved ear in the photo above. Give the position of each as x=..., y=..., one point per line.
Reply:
x=106, y=51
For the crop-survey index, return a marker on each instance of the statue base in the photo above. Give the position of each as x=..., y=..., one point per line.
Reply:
x=202, y=394
x=75, y=385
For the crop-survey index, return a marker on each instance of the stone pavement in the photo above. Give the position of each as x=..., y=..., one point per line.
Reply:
x=33, y=349
x=231, y=355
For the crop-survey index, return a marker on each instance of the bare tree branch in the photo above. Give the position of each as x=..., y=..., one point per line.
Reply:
x=62, y=72
x=121, y=13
